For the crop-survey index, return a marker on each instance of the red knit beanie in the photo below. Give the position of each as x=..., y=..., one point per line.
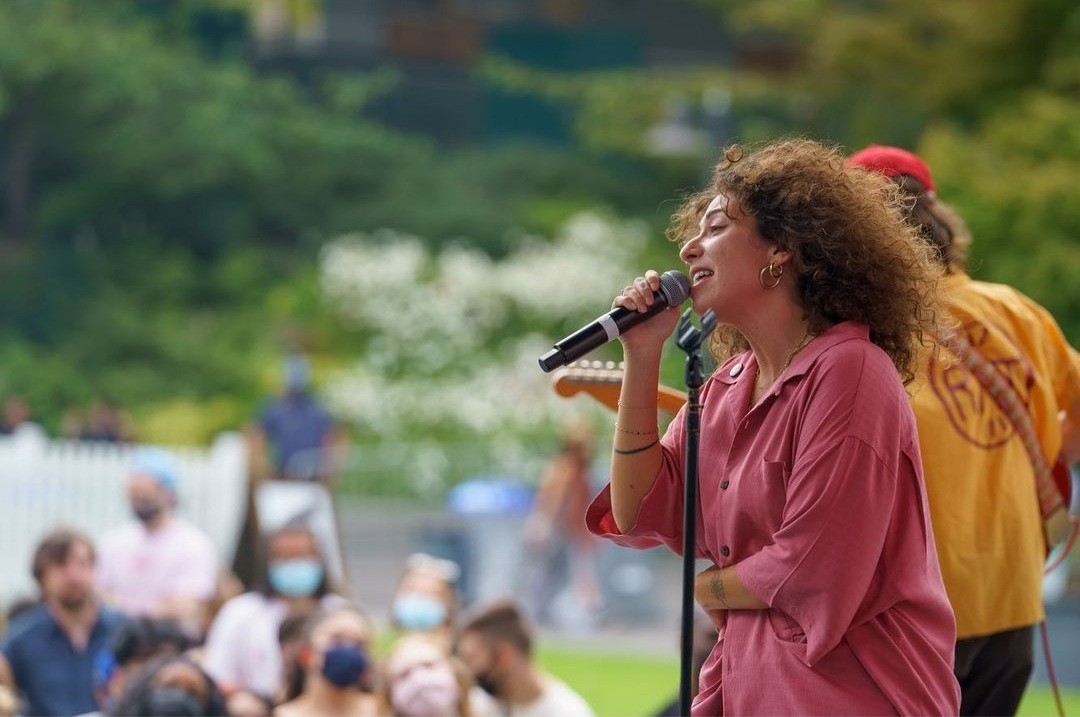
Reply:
x=892, y=161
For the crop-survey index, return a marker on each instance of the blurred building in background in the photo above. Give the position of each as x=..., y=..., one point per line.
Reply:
x=436, y=47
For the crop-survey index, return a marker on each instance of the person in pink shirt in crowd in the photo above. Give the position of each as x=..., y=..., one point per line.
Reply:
x=158, y=565
x=825, y=586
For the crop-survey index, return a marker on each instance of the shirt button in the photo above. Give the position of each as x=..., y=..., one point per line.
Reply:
x=724, y=484
x=735, y=370
x=725, y=550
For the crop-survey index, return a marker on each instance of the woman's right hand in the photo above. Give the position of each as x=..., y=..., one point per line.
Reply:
x=639, y=295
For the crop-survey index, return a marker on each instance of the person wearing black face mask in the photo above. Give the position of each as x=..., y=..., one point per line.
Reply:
x=158, y=565
x=337, y=667
x=172, y=686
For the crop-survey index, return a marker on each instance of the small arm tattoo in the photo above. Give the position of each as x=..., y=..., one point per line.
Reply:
x=716, y=588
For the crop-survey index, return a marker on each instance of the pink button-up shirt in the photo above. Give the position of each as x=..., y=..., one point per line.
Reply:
x=817, y=496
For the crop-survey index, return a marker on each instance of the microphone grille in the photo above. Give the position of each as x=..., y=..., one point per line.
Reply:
x=674, y=287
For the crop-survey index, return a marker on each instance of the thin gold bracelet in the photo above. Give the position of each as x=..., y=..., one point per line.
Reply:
x=632, y=451
x=648, y=432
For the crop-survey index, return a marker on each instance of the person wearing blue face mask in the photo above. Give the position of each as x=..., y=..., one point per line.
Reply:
x=337, y=667
x=242, y=652
x=426, y=599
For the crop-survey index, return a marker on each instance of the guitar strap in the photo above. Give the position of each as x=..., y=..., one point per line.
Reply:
x=1058, y=525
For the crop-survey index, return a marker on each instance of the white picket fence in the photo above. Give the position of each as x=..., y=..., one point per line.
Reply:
x=46, y=483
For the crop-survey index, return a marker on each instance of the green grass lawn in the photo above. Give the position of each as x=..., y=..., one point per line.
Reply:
x=1039, y=700
x=615, y=684
x=619, y=684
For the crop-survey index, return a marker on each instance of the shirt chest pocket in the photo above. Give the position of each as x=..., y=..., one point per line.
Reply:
x=772, y=483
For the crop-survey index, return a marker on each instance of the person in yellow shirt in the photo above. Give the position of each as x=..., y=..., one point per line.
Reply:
x=979, y=477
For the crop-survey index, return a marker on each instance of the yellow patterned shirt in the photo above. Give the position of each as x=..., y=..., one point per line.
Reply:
x=979, y=479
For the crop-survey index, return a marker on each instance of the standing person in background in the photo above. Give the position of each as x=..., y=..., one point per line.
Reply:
x=49, y=651
x=980, y=481
x=825, y=586
x=561, y=551
x=496, y=644
x=159, y=564
x=242, y=651
x=297, y=431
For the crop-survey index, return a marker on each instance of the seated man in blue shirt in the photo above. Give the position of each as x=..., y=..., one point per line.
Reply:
x=48, y=653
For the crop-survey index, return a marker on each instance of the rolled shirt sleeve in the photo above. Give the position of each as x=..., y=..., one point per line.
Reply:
x=660, y=518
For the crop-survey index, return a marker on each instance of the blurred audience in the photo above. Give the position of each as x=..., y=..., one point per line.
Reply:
x=242, y=651
x=171, y=685
x=158, y=564
x=16, y=412
x=296, y=432
x=421, y=680
x=72, y=423
x=106, y=422
x=496, y=644
x=291, y=641
x=335, y=656
x=47, y=655
x=425, y=599
x=133, y=645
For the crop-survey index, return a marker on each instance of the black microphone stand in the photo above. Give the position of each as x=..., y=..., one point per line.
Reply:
x=690, y=338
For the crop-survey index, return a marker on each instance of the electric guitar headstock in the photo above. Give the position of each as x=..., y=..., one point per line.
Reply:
x=603, y=381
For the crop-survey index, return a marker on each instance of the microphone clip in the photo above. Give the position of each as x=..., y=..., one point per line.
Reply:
x=689, y=337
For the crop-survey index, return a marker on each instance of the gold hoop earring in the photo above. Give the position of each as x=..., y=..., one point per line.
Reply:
x=775, y=271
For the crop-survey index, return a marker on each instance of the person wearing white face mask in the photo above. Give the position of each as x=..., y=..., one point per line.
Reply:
x=336, y=663
x=242, y=650
x=421, y=680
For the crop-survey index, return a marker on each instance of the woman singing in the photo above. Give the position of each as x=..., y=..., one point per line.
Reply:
x=825, y=586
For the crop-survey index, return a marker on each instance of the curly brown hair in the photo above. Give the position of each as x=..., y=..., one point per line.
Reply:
x=855, y=258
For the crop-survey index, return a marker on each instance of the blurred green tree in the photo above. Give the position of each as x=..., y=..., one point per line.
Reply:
x=988, y=91
x=164, y=201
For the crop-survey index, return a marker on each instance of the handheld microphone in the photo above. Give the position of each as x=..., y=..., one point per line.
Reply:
x=674, y=289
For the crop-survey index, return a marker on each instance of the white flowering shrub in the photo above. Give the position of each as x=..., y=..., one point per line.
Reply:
x=448, y=342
